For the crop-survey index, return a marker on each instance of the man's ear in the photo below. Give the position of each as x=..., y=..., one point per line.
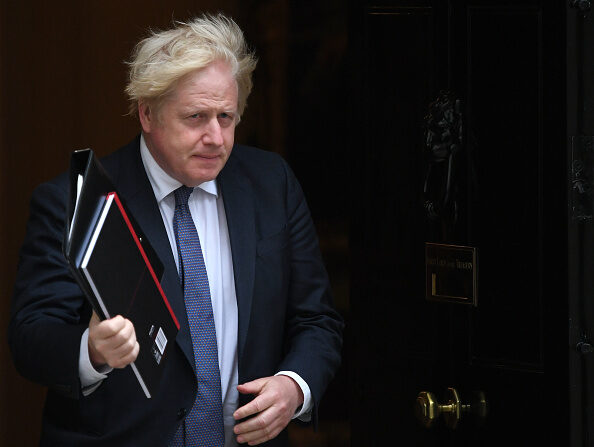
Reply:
x=146, y=116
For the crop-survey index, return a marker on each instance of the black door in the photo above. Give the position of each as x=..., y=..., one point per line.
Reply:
x=459, y=137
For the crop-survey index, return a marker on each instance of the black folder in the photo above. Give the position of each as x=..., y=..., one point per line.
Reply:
x=117, y=273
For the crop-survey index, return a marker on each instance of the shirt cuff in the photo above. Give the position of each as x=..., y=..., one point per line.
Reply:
x=90, y=378
x=304, y=412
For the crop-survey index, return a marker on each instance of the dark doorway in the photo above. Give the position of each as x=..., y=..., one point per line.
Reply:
x=486, y=167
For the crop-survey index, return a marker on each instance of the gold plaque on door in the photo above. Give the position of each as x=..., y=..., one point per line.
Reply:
x=451, y=273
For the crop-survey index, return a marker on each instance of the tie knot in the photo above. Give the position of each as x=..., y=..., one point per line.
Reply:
x=182, y=194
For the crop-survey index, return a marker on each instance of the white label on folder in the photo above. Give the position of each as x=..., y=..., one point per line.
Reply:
x=161, y=341
x=79, y=184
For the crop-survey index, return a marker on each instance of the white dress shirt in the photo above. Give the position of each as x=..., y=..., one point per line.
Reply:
x=208, y=212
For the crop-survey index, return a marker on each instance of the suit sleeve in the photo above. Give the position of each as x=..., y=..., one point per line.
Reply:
x=313, y=327
x=49, y=313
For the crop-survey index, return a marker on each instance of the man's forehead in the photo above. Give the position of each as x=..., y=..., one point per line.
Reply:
x=210, y=88
x=198, y=102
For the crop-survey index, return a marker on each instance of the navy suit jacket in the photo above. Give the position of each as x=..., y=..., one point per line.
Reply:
x=286, y=318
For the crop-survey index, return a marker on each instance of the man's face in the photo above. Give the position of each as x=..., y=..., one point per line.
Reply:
x=191, y=136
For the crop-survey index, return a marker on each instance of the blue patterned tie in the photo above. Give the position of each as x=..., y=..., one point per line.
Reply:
x=203, y=426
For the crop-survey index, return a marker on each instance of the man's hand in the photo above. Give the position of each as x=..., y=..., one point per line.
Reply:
x=277, y=399
x=112, y=342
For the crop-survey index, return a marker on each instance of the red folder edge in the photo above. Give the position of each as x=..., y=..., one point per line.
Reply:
x=148, y=264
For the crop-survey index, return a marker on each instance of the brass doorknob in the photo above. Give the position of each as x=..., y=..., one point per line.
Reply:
x=427, y=409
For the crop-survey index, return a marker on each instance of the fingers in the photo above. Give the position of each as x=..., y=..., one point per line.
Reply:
x=265, y=431
x=112, y=342
x=257, y=405
x=275, y=403
x=261, y=428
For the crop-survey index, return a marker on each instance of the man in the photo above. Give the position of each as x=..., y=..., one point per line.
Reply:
x=228, y=220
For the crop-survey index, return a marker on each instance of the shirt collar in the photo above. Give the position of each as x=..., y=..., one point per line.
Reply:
x=163, y=184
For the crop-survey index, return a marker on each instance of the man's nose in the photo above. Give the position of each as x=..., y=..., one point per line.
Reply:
x=213, y=132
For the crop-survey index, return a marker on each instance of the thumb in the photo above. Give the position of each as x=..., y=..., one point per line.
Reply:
x=253, y=387
x=95, y=320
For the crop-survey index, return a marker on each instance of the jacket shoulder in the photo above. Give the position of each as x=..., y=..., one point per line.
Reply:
x=258, y=165
x=254, y=155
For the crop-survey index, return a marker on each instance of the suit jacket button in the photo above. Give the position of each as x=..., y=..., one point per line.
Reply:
x=181, y=413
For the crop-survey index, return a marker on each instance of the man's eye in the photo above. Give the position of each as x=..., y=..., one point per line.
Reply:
x=196, y=115
x=226, y=119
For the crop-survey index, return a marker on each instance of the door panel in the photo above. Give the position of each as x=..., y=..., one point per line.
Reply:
x=504, y=97
x=503, y=61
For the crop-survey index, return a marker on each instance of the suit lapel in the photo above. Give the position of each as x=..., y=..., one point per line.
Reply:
x=239, y=209
x=135, y=188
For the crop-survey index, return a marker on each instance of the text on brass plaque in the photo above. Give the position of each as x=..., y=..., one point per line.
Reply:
x=451, y=273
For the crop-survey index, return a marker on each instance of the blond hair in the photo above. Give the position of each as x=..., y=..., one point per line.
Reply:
x=162, y=59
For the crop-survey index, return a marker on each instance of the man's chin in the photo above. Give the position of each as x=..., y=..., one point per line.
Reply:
x=196, y=179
